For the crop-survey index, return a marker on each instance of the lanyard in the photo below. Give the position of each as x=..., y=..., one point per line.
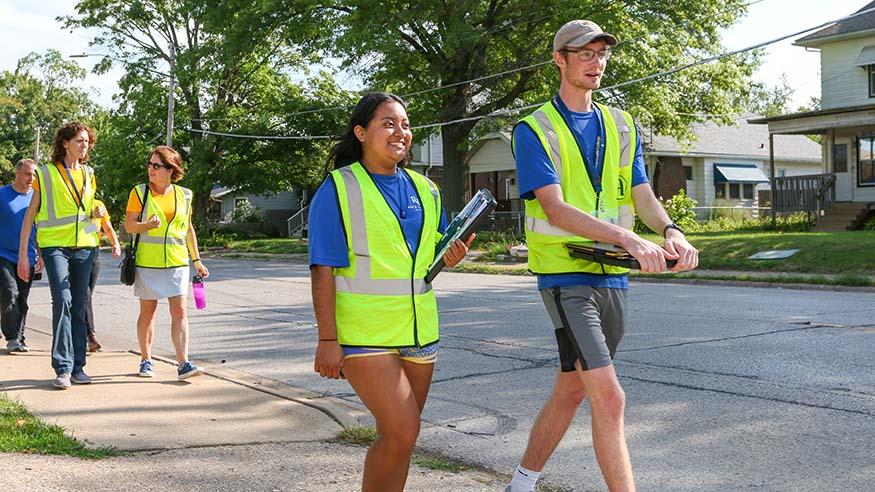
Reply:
x=72, y=185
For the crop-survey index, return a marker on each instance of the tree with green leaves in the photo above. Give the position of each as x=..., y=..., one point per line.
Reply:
x=42, y=93
x=233, y=63
x=430, y=43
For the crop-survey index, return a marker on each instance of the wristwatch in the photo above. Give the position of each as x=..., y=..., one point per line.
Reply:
x=674, y=226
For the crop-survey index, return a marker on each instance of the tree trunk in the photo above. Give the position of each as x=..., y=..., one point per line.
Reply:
x=453, y=190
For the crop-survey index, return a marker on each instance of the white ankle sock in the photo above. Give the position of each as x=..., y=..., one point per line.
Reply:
x=524, y=480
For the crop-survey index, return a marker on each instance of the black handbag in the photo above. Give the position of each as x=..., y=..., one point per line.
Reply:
x=128, y=266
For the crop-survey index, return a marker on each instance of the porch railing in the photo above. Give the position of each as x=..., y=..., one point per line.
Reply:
x=297, y=223
x=813, y=193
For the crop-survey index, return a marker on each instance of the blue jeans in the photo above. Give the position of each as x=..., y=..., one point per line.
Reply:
x=68, y=270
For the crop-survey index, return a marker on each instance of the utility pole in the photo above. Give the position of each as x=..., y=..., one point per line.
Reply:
x=170, y=97
x=36, y=147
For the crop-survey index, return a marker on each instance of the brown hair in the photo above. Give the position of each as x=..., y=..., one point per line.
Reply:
x=170, y=157
x=69, y=132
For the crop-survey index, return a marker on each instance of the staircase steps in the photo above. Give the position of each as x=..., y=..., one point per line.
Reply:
x=844, y=216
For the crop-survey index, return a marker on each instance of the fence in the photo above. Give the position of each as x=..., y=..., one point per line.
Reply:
x=813, y=193
x=750, y=212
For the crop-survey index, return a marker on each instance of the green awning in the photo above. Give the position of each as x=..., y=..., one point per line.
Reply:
x=738, y=173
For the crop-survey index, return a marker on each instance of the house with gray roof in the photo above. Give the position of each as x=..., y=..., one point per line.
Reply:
x=723, y=166
x=846, y=118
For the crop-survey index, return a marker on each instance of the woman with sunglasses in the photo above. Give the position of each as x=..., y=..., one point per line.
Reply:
x=62, y=207
x=373, y=230
x=160, y=214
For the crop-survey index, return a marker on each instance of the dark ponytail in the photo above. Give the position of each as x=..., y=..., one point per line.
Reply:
x=349, y=149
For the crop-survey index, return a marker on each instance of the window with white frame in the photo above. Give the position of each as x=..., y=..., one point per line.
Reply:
x=734, y=190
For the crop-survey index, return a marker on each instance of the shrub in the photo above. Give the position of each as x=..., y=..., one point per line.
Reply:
x=246, y=212
x=680, y=209
x=870, y=224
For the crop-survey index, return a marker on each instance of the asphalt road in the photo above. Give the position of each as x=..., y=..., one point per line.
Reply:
x=728, y=388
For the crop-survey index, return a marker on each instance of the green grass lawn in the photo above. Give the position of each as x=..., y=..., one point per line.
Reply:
x=272, y=246
x=21, y=432
x=842, y=253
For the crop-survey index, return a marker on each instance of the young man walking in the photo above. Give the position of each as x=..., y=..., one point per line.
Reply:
x=581, y=171
x=14, y=200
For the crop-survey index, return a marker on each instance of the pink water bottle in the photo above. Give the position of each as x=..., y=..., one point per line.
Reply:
x=200, y=294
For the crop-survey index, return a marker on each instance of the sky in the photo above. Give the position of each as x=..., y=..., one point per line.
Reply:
x=27, y=26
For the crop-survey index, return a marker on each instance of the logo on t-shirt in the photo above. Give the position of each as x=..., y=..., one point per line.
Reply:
x=414, y=202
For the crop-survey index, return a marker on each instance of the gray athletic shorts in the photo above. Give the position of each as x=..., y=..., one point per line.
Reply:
x=589, y=323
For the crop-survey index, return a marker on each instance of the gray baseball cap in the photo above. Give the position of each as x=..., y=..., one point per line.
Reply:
x=578, y=33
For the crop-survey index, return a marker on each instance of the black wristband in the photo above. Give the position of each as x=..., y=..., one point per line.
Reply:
x=674, y=226
x=195, y=260
x=327, y=339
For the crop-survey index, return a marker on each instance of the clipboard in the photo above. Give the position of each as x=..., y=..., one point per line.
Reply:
x=607, y=254
x=461, y=227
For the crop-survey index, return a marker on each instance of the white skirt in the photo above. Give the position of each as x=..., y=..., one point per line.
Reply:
x=161, y=283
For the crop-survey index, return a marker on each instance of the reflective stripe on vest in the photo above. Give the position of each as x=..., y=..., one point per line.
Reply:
x=60, y=215
x=363, y=283
x=381, y=298
x=612, y=204
x=165, y=246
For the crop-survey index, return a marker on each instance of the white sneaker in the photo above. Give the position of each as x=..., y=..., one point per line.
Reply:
x=62, y=381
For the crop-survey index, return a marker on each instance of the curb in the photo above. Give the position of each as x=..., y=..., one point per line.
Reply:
x=344, y=413
x=751, y=283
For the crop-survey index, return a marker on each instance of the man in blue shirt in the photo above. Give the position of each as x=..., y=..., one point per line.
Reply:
x=586, y=301
x=14, y=200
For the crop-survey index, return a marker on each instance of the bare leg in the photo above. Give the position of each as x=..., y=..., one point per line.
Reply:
x=553, y=420
x=608, y=403
x=146, y=326
x=179, y=327
x=382, y=384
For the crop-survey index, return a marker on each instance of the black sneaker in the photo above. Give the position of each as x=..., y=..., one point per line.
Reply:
x=80, y=378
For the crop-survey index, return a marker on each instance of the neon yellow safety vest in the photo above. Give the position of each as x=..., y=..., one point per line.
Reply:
x=382, y=299
x=546, y=242
x=165, y=246
x=61, y=221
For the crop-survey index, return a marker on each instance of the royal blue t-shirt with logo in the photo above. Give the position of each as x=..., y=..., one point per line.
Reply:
x=13, y=208
x=325, y=234
x=535, y=170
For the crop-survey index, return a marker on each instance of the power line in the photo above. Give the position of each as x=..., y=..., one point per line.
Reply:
x=530, y=106
x=454, y=84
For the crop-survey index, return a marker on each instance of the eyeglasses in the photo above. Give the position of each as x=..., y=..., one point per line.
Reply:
x=587, y=55
x=156, y=166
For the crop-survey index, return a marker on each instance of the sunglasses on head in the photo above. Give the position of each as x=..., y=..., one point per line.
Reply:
x=157, y=165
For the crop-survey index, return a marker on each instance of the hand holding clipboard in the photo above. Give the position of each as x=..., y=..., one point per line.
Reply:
x=461, y=227
x=608, y=255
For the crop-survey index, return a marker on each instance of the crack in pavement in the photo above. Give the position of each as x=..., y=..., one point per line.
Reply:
x=738, y=337
x=778, y=384
x=744, y=395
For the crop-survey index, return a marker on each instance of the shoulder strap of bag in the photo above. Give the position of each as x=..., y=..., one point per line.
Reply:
x=135, y=242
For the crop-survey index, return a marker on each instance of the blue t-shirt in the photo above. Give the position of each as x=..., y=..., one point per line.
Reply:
x=13, y=208
x=535, y=170
x=325, y=234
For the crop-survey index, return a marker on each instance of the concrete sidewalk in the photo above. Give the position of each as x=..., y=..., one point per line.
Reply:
x=208, y=433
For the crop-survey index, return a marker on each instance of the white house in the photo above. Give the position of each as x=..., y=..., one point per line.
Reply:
x=428, y=157
x=847, y=115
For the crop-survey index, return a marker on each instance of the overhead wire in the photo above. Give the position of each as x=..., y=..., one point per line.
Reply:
x=509, y=111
